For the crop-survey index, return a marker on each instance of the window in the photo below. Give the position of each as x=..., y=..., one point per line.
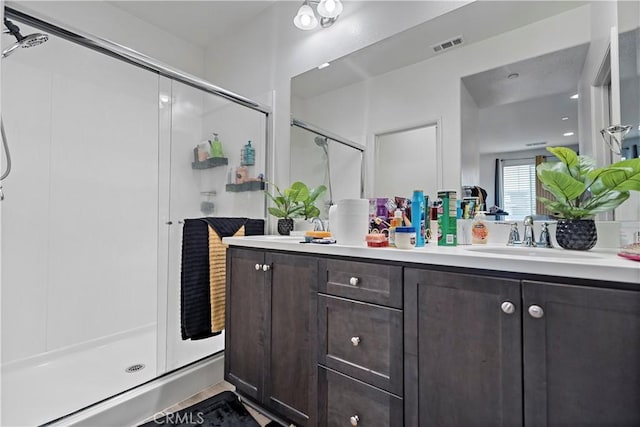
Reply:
x=519, y=188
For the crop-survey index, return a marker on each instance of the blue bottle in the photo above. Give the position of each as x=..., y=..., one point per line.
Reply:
x=418, y=216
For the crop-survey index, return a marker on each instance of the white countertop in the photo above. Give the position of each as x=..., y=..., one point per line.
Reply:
x=596, y=264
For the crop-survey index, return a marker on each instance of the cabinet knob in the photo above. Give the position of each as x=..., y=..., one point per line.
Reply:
x=536, y=311
x=354, y=420
x=258, y=267
x=266, y=267
x=508, y=307
x=355, y=341
x=354, y=281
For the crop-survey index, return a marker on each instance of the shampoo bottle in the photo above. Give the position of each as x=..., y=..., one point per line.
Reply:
x=248, y=155
x=418, y=216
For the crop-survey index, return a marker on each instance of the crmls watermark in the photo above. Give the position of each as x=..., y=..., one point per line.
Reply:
x=170, y=418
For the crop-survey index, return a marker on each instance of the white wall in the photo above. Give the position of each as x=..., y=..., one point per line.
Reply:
x=431, y=89
x=470, y=153
x=104, y=20
x=266, y=53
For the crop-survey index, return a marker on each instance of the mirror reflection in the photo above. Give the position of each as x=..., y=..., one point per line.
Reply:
x=503, y=91
x=629, y=45
x=321, y=158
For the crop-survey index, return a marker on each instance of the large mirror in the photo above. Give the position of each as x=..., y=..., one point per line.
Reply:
x=423, y=76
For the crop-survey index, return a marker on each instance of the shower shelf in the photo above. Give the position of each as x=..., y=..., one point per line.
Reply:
x=210, y=163
x=246, y=186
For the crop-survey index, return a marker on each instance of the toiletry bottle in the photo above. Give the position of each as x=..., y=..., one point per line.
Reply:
x=248, y=155
x=396, y=221
x=479, y=230
x=216, y=147
x=418, y=216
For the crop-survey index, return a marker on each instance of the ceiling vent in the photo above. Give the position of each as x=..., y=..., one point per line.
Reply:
x=534, y=144
x=448, y=44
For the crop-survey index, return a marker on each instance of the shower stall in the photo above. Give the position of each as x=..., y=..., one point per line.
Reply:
x=103, y=143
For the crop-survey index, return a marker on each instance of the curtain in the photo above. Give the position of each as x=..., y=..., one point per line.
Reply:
x=541, y=192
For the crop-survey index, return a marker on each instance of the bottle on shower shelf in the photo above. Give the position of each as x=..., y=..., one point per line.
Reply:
x=248, y=155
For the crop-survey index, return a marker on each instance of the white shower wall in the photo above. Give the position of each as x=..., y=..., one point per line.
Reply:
x=80, y=217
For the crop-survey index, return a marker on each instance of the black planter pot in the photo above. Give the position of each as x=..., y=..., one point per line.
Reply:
x=285, y=225
x=576, y=234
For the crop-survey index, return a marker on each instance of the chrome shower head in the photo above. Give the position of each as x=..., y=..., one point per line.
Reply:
x=22, y=41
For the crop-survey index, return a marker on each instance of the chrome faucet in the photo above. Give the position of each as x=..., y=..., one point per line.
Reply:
x=318, y=225
x=545, y=237
x=514, y=235
x=528, y=239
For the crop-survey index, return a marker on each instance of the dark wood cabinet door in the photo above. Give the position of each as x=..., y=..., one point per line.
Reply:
x=581, y=356
x=463, y=360
x=290, y=328
x=245, y=317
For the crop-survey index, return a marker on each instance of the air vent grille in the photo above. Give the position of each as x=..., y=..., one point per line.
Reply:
x=534, y=144
x=448, y=44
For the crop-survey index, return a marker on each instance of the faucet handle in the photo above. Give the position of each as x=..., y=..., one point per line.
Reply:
x=514, y=234
x=545, y=237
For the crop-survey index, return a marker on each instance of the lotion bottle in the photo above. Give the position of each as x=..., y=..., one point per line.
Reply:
x=479, y=229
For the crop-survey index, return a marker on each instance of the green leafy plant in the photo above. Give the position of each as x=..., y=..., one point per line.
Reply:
x=580, y=189
x=296, y=201
x=310, y=209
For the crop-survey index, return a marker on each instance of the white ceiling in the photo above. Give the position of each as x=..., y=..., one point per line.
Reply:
x=198, y=22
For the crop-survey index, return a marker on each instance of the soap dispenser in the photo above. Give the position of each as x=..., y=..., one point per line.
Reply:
x=248, y=155
x=216, y=147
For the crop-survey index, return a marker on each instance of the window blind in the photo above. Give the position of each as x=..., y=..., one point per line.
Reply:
x=519, y=189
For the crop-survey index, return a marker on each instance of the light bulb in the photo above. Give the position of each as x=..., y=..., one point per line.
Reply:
x=330, y=8
x=305, y=19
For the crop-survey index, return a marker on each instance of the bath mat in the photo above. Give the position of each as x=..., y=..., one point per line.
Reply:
x=222, y=410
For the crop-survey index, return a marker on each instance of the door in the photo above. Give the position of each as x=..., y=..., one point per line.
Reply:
x=290, y=348
x=581, y=355
x=462, y=350
x=244, y=339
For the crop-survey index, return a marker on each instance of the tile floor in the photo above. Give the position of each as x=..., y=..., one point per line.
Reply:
x=212, y=391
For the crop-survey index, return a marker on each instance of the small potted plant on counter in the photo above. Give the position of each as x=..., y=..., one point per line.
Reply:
x=288, y=205
x=581, y=191
x=297, y=201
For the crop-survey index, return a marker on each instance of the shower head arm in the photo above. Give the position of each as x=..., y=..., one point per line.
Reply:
x=13, y=29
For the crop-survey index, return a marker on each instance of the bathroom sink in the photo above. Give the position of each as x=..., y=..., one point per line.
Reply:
x=533, y=252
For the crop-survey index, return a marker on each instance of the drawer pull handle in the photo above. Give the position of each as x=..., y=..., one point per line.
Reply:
x=536, y=311
x=354, y=420
x=266, y=267
x=355, y=341
x=508, y=307
x=354, y=281
x=258, y=267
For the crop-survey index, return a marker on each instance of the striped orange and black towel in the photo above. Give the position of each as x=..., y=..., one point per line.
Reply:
x=202, y=290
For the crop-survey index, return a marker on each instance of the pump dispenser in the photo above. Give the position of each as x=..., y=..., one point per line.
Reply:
x=248, y=155
x=216, y=147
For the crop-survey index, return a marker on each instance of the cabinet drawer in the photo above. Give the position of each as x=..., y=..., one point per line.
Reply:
x=342, y=399
x=363, y=281
x=361, y=340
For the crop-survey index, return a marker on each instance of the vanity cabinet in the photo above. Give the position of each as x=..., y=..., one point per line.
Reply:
x=270, y=347
x=360, y=356
x=483, y=350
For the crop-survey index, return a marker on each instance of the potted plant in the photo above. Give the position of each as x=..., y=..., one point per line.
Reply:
x=310, y=209
x=288, y=205
x=581, y=190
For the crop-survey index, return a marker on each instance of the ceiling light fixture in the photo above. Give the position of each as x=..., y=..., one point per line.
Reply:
x=575, y=96
x=565, y=118
x=324, y=65
x=567, y=134
x=329, y=11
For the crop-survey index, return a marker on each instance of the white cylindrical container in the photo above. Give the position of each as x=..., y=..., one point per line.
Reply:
x=351, y=221
x=405, y=237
